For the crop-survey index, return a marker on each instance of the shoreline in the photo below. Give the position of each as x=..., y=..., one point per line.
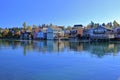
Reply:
x=74, y=41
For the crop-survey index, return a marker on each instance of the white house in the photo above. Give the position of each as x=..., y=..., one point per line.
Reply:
x=58, y=32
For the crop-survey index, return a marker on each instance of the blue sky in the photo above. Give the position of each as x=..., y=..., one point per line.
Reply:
x=60, y=12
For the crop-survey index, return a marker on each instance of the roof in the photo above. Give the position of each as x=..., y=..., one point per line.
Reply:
x=102, y=27
x=78, y=25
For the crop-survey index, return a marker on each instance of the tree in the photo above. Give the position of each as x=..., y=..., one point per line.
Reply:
x=5, y=33
x=92, y=24
x=96, y=25
x=115, y=23
x=109, y=25
x=34, y=26
x=51, y=25
x=24, y=25
x=29, y=28
x=103, y=24
x=88, y=26
x=69, y=28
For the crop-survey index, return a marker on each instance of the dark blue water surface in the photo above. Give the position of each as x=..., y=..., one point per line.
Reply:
x=50, y=60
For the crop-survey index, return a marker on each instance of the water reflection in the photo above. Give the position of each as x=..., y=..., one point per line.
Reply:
x=97, y=49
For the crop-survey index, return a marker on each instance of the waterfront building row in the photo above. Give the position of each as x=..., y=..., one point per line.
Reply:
x=77, y=32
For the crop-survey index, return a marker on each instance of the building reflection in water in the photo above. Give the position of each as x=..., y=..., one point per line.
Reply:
x=97, y=49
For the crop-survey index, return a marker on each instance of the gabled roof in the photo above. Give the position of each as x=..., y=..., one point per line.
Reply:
x=102, y=27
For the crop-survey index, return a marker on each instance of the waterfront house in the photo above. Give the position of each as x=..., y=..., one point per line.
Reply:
x=76, y=32
x=26, y=35
x=80, y=33
x=87, y=33
x=66, y=34
x=73, y=34
x=61, y=31
x=12, y=32
x=58, y=32
x=40, y=35
x=44, y=29
x=50, y=35
x=16, y=34
x=117, y=32
x=66, y=31
x=35, y=32
x=101, y=32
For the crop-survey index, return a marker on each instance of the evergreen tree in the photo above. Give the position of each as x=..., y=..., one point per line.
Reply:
x=115, y=24
x=109, y=25
x=103, y=24
x=24, y=25
x=92, y=24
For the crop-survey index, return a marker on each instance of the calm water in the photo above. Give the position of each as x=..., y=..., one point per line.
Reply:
x=50, y=60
